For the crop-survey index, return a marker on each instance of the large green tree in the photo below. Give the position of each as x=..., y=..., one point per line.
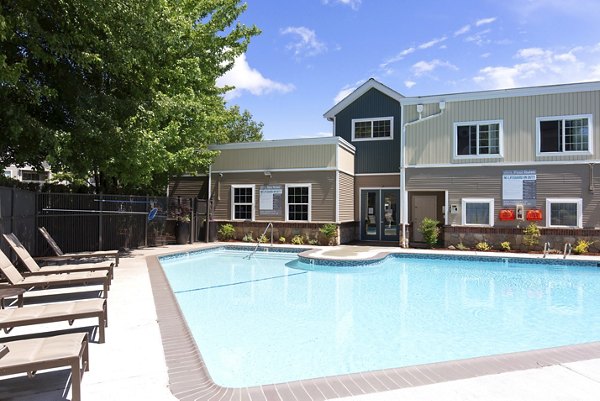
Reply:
x=123, y=91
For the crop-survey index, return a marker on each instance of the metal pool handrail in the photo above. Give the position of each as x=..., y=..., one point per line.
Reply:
x=258, y=240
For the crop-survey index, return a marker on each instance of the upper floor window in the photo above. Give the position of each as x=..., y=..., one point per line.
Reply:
x=568, y=134
x=478, y=139
x=298, y=202
x=242, y=202
x=365, y=129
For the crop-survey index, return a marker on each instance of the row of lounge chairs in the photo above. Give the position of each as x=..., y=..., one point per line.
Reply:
x=70, y=350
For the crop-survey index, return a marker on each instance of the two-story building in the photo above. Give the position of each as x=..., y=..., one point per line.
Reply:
x=484, y=164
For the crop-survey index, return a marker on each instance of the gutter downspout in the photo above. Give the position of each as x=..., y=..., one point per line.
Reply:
x=403, y=193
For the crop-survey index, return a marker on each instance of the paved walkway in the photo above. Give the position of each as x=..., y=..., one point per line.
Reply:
x=131, y=364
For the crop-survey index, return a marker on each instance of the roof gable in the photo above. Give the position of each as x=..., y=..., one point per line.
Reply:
x=358, y=92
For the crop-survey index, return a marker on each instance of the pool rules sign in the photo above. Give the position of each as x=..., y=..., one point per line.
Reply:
x=270, y=200
x=519, y=187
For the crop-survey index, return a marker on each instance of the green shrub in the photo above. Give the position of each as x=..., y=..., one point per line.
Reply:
x=248, y=237
x=226, y=232
x=298, y=240
x=312, y=241
x=505, y=246
x=483, y=246
x=531, y=235
x=582, y=247
x=430, y=230
x=329, y=230
x=282, y=240
x=461, y=247
x=263, y=239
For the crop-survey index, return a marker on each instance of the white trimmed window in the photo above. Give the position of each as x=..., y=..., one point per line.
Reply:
x=242, y=202
x=298, y=202
x=478, y=139
x=564, y=212
x=477, y=212
x=369, y=129
x=564, y=134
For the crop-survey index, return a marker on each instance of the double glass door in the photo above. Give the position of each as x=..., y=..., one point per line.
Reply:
x=379, y=214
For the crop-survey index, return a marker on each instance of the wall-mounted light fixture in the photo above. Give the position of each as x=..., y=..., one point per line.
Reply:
x=268, y=173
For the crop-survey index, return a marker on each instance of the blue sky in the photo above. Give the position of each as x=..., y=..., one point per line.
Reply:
x=312, y=53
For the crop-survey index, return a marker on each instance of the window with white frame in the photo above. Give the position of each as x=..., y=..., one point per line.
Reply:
x=564, y=212
x=478, y=139
x=364, y=129
x=477, y=212
x=298, y=202
x=7, y=173
x=566, y=134
x=242, y=204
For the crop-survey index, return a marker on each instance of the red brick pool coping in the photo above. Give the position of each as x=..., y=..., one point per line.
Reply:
x=189, y=378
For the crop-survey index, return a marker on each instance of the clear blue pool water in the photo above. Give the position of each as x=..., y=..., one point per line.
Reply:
x=272, y=318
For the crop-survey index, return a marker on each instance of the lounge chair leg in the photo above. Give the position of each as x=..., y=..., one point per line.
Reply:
x=101, y=330
x=76, y=375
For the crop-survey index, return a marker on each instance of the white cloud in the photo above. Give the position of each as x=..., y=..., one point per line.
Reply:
x=409, y=84
x=353, y=4
x=432, y=43
x=397, y=57
x=486, y=55
x=424, y=67
x=306, y=44
x=538, y=66
x=245, y=78
x=485, y=21
x=343, y=93
x=462, y=30
x=479, y=38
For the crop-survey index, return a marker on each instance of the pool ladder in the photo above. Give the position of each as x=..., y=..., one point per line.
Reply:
x=567, y=250
x=546, y=249
x=264, y=233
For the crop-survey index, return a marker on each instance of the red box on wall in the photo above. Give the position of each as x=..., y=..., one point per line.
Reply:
x=534, y=215
x=506, y=214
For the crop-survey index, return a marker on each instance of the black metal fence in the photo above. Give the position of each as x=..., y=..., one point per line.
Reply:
x=83, y=221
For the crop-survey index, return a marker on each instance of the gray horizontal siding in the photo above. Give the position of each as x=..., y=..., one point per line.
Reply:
x=346, y=200
x=431, y=142
x=323, y=192
x=564, y=181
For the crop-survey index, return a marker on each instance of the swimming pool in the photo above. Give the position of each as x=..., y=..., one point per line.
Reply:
x=273, y=318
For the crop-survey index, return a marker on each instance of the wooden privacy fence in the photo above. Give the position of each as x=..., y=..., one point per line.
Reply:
x=83, y=221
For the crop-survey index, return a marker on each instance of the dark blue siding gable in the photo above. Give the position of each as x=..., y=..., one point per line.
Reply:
x=376, y=156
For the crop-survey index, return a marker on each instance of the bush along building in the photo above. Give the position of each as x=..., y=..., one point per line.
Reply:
x=485, y=165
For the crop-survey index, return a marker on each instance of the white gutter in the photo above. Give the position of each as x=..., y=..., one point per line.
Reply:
x=403, y=193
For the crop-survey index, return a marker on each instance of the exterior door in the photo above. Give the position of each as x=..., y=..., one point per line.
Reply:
x=389, y=207
x=422, y=206
x=379, y=215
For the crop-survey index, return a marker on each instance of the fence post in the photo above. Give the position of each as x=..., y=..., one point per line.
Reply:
x=100, y=222
x=12, y=209
x=146, y=224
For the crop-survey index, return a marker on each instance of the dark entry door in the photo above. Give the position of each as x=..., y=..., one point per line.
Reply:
x=379, y=215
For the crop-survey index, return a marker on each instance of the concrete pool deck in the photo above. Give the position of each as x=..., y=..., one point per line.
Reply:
x=131, y=365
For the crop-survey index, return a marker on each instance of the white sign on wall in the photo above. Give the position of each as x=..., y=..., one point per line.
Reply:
x=270, y=200
x=519, y=187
